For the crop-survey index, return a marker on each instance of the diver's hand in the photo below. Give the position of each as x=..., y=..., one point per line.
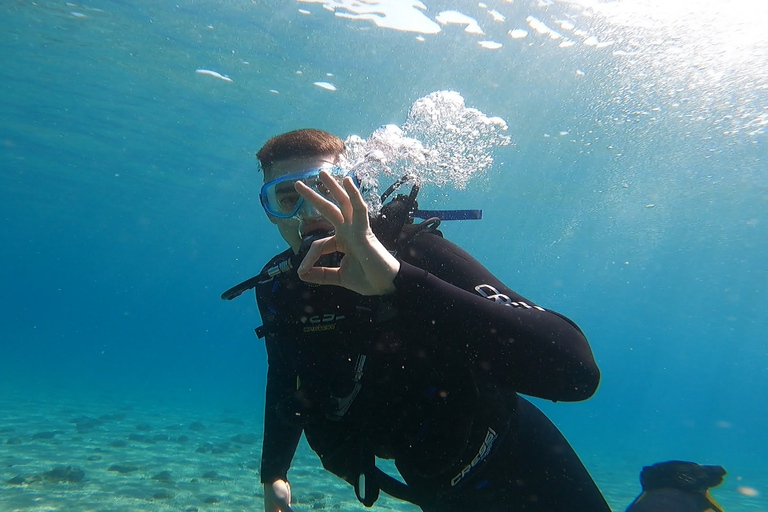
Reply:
x=277, y=497
x=367, y=267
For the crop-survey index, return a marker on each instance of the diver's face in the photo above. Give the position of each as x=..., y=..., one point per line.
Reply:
x=307, y=219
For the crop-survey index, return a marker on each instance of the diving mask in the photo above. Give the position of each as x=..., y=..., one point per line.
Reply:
x=280, y=199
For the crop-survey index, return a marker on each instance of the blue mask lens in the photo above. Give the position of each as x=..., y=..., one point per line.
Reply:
x=280, y=199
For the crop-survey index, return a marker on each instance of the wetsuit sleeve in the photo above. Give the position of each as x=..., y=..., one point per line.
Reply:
x=280, y=439
x=448, y=296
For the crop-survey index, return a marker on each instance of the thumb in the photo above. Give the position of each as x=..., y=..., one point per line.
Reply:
x=309, y=270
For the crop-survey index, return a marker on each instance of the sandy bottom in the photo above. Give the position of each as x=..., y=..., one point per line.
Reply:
x=107, y=455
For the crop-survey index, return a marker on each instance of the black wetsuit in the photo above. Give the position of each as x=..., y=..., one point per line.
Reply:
x=428, y=376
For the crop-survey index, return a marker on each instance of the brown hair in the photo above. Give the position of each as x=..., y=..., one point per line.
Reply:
x=307, y=142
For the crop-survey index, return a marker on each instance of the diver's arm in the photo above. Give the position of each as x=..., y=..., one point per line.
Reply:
x=537, y=352
x=280, y=439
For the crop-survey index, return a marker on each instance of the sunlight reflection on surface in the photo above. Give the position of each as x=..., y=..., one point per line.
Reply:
x=711, y=51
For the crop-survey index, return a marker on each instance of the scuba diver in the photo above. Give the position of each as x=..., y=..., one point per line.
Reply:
x=386, y=340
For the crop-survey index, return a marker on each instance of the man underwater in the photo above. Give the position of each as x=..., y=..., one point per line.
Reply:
x=399, y=345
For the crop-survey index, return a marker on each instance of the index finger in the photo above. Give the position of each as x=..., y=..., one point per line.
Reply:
x=326, y=208
x=339, y=193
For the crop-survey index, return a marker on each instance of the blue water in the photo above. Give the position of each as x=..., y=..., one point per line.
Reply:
x=634, y=199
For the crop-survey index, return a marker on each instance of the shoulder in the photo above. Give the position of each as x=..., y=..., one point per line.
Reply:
x=419, y=238
x=447, y=261
x=424, y=246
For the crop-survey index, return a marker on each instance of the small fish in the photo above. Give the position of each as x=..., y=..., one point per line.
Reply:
x=213, y=74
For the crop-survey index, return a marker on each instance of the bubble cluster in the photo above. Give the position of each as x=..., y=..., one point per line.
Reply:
x=442, y=142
